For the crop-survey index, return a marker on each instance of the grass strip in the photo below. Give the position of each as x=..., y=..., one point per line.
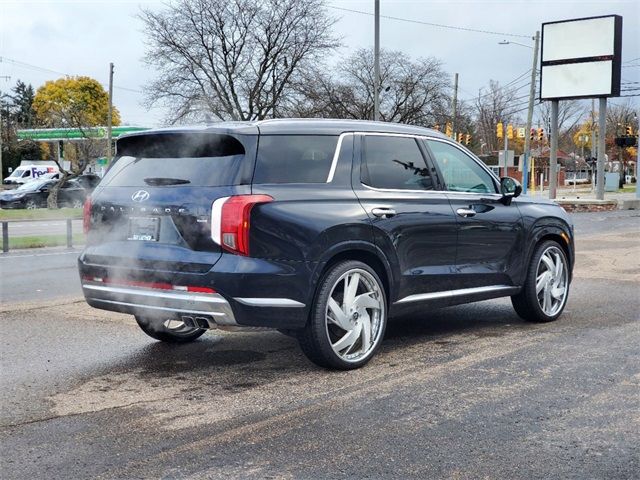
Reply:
x=39, y=241
x=40, y=214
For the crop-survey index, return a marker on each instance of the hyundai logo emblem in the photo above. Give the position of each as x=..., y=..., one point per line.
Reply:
x=140, y=196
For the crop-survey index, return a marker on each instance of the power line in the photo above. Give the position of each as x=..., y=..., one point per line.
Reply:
x=502, y=87
x=439, y=25
x=632, y=60
x=48, y=70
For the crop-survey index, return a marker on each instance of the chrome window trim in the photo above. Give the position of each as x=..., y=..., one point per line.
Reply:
x=419, y=297
x=336, y=155
x=441, y=192
x=269, y=302
x=443, y=140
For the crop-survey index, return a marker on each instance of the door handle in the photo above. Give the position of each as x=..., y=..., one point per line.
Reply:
x=466, y=212
x=383, y=212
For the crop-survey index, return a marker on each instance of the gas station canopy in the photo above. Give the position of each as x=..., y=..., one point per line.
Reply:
x=74, y=134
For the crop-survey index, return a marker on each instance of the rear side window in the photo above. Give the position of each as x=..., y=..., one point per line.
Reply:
x=394, y=163
x=294, y=158
x=197, y=159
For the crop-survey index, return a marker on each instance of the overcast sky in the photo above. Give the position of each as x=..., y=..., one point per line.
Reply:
x=43, y=40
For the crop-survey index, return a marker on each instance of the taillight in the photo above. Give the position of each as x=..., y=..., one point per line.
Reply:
x=86, y=215
x=230, y=217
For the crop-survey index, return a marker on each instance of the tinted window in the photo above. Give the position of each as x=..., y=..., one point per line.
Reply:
x=198, y=159
x=394, y=162
x=294, y=158
x=460, y=172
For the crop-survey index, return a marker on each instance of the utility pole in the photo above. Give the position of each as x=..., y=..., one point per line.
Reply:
x=7, y=78
x=532, y=94
x=455, y=104
x=376, y=63
x=506, y=155
x=109, y=113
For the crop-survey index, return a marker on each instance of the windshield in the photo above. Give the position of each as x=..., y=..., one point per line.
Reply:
x=17, y=173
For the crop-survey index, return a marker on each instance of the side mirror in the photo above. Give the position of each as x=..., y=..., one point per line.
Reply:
x=510, y=188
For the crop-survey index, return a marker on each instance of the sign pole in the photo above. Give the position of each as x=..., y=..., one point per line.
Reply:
x=553, y=154
x=602, y=129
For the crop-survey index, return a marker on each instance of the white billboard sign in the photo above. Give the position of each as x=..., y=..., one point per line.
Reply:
x=581, y=58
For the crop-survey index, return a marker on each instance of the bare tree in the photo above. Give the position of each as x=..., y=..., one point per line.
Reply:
x=493, y=105
x=232, y=59
x=570, y=114
x=412, y=91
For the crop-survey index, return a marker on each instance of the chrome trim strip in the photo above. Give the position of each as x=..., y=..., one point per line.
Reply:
x=269, y=302
x=336, y=155
x=155, y=307
x=187, y=297
x=419, y=297
x=497, y=196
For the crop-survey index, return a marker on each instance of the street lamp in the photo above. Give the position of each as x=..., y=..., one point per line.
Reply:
x=532, y=93
x=509, y=42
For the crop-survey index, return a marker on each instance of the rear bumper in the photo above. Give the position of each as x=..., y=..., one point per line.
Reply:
x=157, y=303
x=245, y=292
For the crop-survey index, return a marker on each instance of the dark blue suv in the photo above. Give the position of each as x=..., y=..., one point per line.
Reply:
x=322, y=229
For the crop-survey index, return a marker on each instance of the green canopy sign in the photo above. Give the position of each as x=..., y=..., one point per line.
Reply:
x=57, y=134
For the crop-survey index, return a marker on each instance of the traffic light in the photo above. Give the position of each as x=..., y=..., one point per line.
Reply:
x=540, y=134
x=460, y=136
x=532, y=135
x=467, y=139
x=510, y=132
x=629, y=131
x=499, y=131
x=448, y=130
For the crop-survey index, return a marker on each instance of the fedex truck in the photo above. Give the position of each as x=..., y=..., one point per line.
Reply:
x=29, y=172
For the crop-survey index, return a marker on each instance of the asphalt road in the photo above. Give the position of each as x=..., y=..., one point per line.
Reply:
x=462, y=392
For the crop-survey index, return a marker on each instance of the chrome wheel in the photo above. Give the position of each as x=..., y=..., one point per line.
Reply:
x=551, y=281
x=77, y=204
x=354, y=315
x=31, y=205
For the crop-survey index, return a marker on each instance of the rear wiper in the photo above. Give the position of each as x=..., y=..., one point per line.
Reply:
x=161, y=181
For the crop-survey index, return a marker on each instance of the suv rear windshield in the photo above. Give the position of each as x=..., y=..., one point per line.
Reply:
x=197, y=159
x=294, y=158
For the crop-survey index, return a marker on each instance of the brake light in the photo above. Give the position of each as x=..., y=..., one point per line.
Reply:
x=230, y=221
x=86, y=215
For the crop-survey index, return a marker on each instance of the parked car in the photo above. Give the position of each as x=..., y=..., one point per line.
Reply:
x=322, y=229
x=34, y=195
x=88, y=181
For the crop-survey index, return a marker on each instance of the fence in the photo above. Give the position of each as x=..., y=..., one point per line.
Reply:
x=5, y=230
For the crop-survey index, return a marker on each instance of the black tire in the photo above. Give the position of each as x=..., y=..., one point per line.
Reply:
x=157, y=328
x=527, y=303
x=365, y=325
